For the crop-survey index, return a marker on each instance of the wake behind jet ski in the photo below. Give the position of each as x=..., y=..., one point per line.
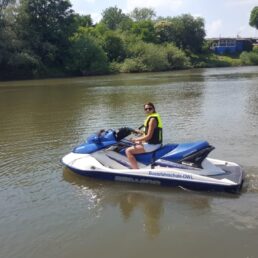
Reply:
x=185, y=164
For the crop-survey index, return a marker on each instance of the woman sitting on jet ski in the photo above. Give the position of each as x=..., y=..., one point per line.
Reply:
x=151, y=138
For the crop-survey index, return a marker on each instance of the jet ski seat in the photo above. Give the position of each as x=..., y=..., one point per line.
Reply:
x=149, y=157
x=189, y=152
x=185, y=149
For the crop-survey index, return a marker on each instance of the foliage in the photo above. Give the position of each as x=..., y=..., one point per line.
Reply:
x=165, y=31
x=212, y=60
x=177, y=59
x=82, y=20
x=125, y=24
x=16, y=60
x=144, y=29
x=253, y=21
x=140, y=14
x=7, y=33
x=113, y=46
x=114, y=18
x=229, y=60
x=249, y=58
x=115, y=67
x=86, y=56
x=133, y=65
x=154, y=57
x=96, y=31
x=189, y=32
x=3, y=6
x=255, y=49
x=42, y=38
x=147, y=57
x=46, y=26
x=185, y=31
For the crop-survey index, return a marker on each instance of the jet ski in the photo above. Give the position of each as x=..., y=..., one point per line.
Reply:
x=185, y=165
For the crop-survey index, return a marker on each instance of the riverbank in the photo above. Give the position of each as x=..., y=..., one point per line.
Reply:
x=137, y=66
x=213, y=61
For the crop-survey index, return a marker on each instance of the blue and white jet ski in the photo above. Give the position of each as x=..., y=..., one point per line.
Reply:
x=185, y=165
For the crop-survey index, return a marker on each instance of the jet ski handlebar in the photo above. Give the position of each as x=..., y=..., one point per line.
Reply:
x=123, y=132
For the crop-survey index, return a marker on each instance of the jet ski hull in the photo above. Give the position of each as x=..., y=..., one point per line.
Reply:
x=198, y=186
x=169, y=177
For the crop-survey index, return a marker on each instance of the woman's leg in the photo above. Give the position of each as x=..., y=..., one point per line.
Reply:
x=131, y=151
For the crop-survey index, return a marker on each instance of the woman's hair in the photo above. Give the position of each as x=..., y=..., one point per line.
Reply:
x=151, y=105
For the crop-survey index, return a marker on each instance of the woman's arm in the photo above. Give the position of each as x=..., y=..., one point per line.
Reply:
x=152, y=126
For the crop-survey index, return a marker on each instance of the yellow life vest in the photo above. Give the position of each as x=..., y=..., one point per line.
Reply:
x=157, y=134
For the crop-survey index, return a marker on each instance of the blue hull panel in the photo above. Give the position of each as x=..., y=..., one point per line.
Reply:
x=158, y=181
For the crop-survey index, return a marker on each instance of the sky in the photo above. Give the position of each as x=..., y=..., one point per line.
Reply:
x=223, y=18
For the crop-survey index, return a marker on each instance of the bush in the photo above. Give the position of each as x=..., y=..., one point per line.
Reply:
x=115, y=67
x=23, y=65
x=176, y=57
x=155, y=58
x=133, y=65
x=249, y=58
x=145, y=57
x=255, y=49
x=213, y=60
x=149, y=57
x=230, y=61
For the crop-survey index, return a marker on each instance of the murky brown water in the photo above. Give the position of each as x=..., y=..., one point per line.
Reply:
x=47, y=211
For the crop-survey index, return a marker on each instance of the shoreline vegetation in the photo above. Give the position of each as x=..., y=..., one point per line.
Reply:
x=47, y=39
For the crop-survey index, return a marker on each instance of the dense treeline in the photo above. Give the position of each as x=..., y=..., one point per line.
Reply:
x=40, y=38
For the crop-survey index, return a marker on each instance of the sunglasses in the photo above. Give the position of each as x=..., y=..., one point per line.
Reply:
x=148, y=109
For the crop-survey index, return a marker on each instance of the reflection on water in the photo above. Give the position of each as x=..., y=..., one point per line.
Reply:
x=128, y=201
x=153, y=202
x=149, y=201
x=151, y=207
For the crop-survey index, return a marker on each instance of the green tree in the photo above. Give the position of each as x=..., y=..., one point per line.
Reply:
x=83, y=20
x=188, y=33
x=113, y=46
x=253, y=21
x=185, y=31
x=125, y=24
x=16, y=61
x=86, y=55
x=96, y=31
x=140, y=14
x=114, y=18
x=45, y=25
x=165, y=31
x=6, y=29
x=144, y=30
x=3, y=6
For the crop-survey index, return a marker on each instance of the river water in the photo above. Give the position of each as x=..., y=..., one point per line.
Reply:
x=47, y=211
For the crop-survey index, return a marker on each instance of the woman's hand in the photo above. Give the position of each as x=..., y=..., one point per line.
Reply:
x=139, y=132
x=136, y=141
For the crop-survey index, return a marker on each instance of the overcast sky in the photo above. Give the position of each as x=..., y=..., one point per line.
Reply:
x=225, y=18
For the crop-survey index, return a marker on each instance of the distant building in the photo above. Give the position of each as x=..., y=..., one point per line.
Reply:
x=231, y=45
